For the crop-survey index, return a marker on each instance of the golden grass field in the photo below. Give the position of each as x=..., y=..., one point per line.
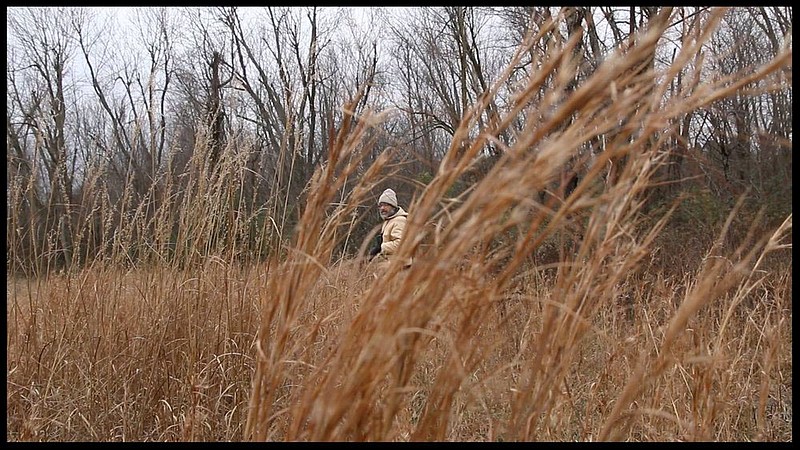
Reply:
x=170, y=355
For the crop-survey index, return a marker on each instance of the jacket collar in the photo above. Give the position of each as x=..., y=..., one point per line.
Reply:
x=400, y=212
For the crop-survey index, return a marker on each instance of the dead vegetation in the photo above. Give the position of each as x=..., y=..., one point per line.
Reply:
x=477, y=341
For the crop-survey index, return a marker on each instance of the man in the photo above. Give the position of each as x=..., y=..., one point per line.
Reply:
x=392, y=231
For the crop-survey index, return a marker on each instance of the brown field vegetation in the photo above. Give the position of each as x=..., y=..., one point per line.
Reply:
x=593, y=317
x=171, y=355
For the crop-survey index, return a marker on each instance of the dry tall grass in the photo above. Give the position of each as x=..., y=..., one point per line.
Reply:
x=477, y=341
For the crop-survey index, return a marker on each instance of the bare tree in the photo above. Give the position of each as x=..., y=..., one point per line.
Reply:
x=446, y=60
x=748, y=131
x=45, y=52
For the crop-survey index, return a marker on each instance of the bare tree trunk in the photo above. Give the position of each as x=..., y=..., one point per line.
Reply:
x=215, y=115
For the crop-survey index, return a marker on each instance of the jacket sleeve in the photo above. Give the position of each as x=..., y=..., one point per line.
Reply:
x=396, y=231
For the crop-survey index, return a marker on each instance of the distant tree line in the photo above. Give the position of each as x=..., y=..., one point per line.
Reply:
x=196, y=132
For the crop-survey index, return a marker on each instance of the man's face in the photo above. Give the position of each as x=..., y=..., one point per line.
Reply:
x=385, y=209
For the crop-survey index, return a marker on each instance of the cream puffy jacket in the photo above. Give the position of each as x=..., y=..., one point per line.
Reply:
x=392, y=231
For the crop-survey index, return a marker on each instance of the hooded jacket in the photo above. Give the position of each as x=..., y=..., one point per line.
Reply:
x=392, y=230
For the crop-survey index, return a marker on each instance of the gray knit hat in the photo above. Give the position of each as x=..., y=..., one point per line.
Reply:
x=389, y=197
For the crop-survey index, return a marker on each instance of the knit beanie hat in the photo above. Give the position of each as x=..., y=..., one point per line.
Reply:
x=389, y=197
